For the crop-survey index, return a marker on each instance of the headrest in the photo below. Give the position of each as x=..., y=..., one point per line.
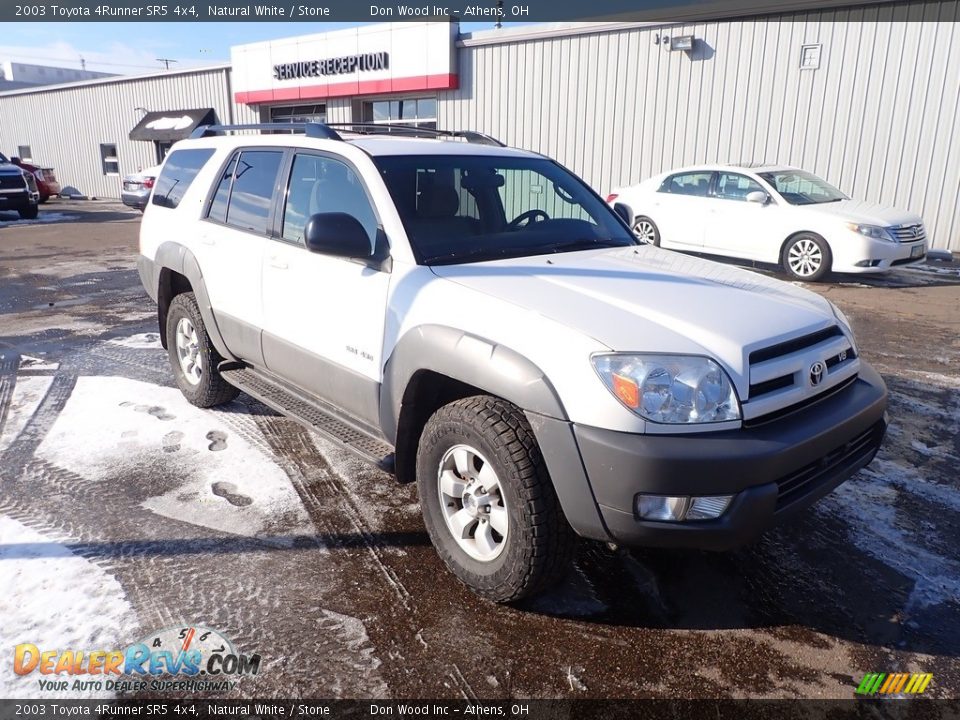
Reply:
x=438, y=201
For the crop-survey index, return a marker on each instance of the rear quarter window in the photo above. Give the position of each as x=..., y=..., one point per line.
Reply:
x=178, y=173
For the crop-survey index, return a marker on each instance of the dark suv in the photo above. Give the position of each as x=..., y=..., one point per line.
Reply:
x=18, y=190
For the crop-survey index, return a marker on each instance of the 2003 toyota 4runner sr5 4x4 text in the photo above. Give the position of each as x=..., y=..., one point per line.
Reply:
x=476, y=319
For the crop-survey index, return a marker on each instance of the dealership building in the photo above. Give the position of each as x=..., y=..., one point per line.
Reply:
x=867, y=96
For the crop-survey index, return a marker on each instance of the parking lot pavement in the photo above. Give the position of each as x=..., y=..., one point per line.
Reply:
x=124, y=510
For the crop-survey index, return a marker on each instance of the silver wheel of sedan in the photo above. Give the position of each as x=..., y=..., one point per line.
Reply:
x=805, y=258
x=646, y=231
x=472, y=503
x=188, y=351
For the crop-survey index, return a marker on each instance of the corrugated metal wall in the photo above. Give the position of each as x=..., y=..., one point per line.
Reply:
x=65, y=127
x=879, y=118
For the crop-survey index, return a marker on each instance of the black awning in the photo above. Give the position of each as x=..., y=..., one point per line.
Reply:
x=169, y=125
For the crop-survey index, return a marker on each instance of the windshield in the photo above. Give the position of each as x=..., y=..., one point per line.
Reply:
x=471, y=208
x=799, y=187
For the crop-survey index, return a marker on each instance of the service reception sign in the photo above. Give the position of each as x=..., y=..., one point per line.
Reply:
x=373, y=60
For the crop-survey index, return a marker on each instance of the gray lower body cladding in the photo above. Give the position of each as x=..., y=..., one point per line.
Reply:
x=774, y=470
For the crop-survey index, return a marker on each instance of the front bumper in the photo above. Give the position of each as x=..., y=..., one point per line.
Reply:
x=876, y=256
x=18, y=199
x=773, y=469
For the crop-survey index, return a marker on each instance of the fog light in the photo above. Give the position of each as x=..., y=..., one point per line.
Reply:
x=678, y=509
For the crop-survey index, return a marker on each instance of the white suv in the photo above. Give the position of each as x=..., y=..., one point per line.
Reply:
x=476, y=319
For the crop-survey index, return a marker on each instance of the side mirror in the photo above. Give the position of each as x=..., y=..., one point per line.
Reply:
x=337, y=234
x=625, y=212
x=758, y=196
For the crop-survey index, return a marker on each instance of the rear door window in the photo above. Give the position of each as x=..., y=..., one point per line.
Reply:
x=694, y=183
x=178, y=173
x=251, y=197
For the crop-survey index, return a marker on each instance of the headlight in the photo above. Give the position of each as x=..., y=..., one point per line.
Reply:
x=670, y=389
x=871, y=231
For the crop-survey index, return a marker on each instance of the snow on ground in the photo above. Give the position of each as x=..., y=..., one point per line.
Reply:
x=224, y=482
x=26, y=398
x=140, y=341
x=61, y=601
x=28, y=362
x=43, y=217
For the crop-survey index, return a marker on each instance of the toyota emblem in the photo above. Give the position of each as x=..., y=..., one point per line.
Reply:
x=817, y=371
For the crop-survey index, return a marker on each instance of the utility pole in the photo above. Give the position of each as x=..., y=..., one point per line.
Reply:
x=83, y=63
x=166, y=62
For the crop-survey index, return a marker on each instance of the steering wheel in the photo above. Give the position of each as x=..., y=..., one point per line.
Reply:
x=528, y=218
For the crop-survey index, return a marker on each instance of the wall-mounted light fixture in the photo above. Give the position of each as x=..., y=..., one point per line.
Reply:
x=682, y=42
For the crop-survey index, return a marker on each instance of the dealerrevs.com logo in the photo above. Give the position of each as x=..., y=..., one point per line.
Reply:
x=894, y=683
x=185, y=659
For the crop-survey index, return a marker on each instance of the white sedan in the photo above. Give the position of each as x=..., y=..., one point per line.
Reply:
x=772, y=214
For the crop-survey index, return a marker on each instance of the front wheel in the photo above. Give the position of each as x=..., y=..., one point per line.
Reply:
x=647, y=230
x=806, y=257
x=193, y=357
x=488, y=502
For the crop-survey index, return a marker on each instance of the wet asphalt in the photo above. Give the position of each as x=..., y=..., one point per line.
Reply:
x=362, y=607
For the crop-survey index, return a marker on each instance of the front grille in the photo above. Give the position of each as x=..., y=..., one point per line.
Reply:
x=8, y=182
x=909, y=233
x=796, y=407
x=789, y=375
x=796, y=485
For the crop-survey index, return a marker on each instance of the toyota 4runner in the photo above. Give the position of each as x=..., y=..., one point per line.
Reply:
x=475, y=319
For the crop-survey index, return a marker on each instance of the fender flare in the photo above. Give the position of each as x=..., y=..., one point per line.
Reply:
x=176, y=257
x=494, y=368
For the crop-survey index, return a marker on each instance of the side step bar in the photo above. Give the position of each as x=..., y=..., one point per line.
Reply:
x=319, y=417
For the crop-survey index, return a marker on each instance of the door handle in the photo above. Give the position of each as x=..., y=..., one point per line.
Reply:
x=278, y=264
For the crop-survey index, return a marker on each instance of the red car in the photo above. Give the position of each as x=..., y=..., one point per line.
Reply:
x=46, y=179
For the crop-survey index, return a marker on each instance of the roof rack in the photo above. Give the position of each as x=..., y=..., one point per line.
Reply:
x=310, y=129
x=367, y=128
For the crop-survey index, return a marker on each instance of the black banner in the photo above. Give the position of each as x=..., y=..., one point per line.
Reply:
x=300, y=709
x=293, y=11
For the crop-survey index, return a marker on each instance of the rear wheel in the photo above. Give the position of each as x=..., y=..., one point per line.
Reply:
x=806, y=257
x=488, y=502
x=647, y=230
x=193, y=357
x=29, y=213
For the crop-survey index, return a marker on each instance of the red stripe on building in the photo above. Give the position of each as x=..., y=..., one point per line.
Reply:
x=346, y=89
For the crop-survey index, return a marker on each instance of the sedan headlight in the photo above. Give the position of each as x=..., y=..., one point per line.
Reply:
x=670, y=389
x=871, y=231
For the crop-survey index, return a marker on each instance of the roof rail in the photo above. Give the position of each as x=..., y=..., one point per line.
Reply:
x=367, y=128
x=310, y=129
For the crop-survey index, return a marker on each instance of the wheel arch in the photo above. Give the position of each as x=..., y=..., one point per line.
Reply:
x=179, y=272
x=433, y=365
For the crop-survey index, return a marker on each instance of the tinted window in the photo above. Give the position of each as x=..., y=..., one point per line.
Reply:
x=218, y=208
x=178, y=172
x=697, y=183
x=323, y=185
x=733, y=186
x=481, y=207
x=254, y=180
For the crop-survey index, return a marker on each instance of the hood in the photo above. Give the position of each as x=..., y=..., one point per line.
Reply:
x=646, y=299
x=9, y=169
x=865, y=213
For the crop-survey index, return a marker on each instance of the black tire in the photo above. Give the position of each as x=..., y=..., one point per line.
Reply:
x=642, y=233
x=29, y=213
x=212, y=389
x=788, y=258
x=538, y=549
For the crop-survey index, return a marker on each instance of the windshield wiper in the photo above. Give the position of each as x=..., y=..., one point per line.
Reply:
x=586, y=244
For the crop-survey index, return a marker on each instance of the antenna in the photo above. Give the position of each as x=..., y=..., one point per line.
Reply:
x=166, y=62
x=83, y=63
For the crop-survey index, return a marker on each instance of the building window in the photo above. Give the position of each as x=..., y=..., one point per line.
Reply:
x=108, y=159
x=420, y=112
x=24, y=153
x=810, y=56
x=299, y=113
